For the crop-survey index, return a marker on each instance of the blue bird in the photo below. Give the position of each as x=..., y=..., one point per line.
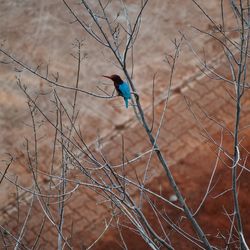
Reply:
x=121, y=87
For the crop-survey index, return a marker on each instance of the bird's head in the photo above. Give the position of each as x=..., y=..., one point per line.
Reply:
x=114, y=78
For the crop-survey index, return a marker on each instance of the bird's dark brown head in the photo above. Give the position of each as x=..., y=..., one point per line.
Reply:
x=115, y=78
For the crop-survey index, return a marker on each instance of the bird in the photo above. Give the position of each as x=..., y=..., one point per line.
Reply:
x=121, y=87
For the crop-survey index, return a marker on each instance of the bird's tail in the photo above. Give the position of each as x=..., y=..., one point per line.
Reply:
x=126, y=102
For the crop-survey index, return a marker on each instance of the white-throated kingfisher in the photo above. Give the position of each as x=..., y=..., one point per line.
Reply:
x=121, y=87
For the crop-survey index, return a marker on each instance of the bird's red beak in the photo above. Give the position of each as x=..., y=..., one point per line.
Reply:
x=107, y=77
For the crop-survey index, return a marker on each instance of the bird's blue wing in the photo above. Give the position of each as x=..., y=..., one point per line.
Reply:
x=125, y=90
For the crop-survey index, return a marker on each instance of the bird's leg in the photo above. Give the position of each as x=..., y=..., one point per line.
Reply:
x=135, y=94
